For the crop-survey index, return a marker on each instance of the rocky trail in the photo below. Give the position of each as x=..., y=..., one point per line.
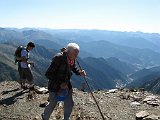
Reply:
x=117, y=104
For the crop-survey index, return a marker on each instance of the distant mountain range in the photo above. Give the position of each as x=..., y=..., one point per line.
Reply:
x=110, y=58
x=153, y=85
x=146, y=78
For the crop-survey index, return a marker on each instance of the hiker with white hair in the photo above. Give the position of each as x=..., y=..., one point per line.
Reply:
x=59, y=85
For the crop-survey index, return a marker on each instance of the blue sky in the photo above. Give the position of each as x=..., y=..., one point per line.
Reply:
x=116, y=15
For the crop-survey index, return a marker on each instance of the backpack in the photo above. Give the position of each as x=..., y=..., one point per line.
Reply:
x=18, y=53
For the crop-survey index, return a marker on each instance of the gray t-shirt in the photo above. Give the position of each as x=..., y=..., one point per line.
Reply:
x=25, y=54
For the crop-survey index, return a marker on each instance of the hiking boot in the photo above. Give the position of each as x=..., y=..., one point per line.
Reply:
x=43, y=104
x=32, y=88
x=25, y=87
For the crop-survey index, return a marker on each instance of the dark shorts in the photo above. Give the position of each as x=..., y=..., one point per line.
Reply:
x=25, y=73
x=21, y=73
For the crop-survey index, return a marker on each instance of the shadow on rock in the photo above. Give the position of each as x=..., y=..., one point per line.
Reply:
x=6, y=92
x=11, y=100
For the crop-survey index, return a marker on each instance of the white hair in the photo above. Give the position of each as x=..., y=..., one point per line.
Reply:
x=72, y=46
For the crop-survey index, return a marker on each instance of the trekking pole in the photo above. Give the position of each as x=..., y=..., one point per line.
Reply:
x=92, y=93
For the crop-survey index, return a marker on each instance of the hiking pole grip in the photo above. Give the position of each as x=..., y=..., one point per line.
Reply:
x=91, y=92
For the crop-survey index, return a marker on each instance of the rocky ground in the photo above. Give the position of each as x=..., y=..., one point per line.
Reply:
x=115, y=104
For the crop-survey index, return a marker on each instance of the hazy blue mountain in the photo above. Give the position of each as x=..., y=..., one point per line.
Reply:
x=143, y=76
x=36, y=34
x=48, y=44
x=8, y=69
x=155, y=69
x=7, y=54
x=125, y=68
x=139, y=57
x=111, y=73
x=152, y=37
x=96, y=78
x=88, y=35
x=7, y=72
x=103, y=49
x=131, y=39
x=93, y=46
x=148, y=79
x=70, y=34
x=42, y=38
x=11, y=35
x=152, y=85
x=23, y=37
x=147, y=57
x=138, y=42
x=49, y=41
x=141, y=73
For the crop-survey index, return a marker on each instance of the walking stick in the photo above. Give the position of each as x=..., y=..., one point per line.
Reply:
x=92, y=93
